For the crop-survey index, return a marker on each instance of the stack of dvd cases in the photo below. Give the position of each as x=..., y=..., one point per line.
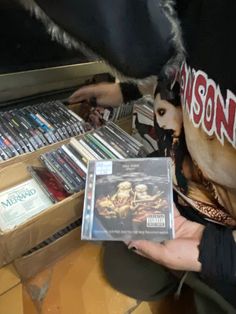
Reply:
x=69, y=162
x=30, y=128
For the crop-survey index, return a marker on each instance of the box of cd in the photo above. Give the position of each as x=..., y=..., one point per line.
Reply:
x=16, y=241
x=128, y=199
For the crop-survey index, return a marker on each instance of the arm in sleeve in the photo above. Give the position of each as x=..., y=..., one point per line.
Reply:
x=217, y=254
x=132, y=91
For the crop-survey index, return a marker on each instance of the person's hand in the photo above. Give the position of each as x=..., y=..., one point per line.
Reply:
x=178, y=254
x=106, y=94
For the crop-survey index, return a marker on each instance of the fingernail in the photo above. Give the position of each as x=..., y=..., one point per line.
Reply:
x=132, y=248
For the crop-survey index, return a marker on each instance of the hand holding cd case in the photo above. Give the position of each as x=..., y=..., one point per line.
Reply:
x=128, y=199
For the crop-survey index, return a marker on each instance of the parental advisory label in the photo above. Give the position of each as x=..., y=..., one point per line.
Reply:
x=156, y=221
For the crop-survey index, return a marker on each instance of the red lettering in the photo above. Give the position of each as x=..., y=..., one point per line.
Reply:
x=209, y=108
x=225, y=118
x=200, y=90
x=189, y=91
x=206, y=106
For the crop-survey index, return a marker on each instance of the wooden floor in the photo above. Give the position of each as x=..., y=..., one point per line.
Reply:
x=76, y=285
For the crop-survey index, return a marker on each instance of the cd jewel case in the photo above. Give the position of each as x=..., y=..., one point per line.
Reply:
x=129, y=199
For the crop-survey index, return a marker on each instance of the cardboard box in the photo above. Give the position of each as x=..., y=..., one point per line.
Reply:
x=30, y=265
x=24, y=237
x=16, y=242
x=11, y=301
x=8, y=278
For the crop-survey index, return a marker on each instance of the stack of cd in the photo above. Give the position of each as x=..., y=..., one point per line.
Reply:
x=98, y=115
x=69, y=162
x=123, y=111
x=30, y=128
x=144, y=107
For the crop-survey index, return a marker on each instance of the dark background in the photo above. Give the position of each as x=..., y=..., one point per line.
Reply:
x=26, y=45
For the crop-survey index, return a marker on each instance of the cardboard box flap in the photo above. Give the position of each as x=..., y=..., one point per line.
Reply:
x=18, y=241
x=13, y=175
x=29, y=265
x=12, y=301
x=8, y=278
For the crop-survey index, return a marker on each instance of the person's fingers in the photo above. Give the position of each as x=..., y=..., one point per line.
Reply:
x=84, y=93
x=152, y=250
x=180, y=254
x=127, y=243
x=141, y=254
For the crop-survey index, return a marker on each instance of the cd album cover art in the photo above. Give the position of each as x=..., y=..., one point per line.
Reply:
x=128, y=199
x=49, y=183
